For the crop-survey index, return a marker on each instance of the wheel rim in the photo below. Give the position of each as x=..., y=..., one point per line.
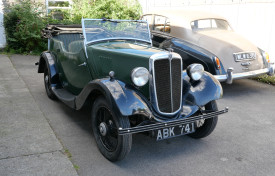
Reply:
x=106, y=129
x=47, y=81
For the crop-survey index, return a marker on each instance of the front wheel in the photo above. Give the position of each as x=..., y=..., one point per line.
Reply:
x=105, y=126
x=47, y=83
x=207, y=126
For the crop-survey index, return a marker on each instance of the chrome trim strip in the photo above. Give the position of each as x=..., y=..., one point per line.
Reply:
x=171, y=82
x=230, y=76
x=84, y=34
x=118, y=38
x=153, y=96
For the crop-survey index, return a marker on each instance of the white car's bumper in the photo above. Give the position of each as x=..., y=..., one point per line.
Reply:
x=230, y=76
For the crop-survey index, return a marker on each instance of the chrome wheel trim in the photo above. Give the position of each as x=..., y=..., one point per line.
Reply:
x=103, y=128
x=200, y=123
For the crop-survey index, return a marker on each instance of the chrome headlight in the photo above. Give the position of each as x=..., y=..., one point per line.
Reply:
x=140, y=76
x=195, y=71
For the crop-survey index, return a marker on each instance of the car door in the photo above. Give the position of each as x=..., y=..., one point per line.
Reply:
x=73, y=61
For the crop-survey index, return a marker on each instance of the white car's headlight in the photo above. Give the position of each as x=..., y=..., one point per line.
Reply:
x=140, y=76
x=195, y=71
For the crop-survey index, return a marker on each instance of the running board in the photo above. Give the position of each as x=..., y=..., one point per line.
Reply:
x=65, y=96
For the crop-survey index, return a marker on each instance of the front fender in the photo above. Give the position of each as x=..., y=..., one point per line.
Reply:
x=123, y=98
x=126, y=101
x=192, y=53
x=201, y=92
x=46, y=60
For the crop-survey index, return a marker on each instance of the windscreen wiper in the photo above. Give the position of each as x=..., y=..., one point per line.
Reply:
x=114, y=21
x=118, y=21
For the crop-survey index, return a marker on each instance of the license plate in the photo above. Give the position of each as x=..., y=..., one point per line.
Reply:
x=244, y=56
x=175, y=131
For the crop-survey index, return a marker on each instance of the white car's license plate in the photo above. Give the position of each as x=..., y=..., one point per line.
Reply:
x=244, y=56
x=174, y=131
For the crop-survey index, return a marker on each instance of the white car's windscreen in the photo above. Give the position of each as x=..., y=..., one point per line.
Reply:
x=206, y=24
x=100, y=29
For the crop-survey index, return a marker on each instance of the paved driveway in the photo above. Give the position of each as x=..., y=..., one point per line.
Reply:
x=242, y=144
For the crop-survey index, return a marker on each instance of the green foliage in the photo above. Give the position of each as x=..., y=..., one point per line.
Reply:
x=266, y=79
x=24, y=21
x=23, y=24
x=110, y=9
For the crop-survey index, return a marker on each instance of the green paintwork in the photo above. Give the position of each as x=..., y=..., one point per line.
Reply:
x=72, y=76
x=118, y=56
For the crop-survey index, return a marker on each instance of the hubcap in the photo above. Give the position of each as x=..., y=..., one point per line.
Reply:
x=103, y=128
x=200, y=122
x=47, y=79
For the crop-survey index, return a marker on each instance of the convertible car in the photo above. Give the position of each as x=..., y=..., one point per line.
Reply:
x=208, y=39
x=130, y=86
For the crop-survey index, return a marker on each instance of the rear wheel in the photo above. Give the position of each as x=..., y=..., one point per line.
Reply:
x=47, y=83
x=207, y=126
x=105, y=126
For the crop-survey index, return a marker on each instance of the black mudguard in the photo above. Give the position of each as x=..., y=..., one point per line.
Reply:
x=127, y=101
x=124, y=99
x=191, y=53
x=46, y=60
x=201, y=92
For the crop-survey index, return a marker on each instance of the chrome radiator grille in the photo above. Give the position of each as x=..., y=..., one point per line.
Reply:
x=167, y=82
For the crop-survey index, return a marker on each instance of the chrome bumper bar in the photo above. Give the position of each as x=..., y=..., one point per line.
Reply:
x=230, y=76
x=170, y=123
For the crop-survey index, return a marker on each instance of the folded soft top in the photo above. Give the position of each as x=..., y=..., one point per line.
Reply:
x=56, y=29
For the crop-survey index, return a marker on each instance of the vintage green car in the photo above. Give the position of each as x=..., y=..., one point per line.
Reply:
x=131, y=86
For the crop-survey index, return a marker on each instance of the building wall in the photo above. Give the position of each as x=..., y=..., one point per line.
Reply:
x=253, y=19
x=2, y=31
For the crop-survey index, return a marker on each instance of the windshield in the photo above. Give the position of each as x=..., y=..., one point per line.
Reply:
x=95, y=30
x=210, y=24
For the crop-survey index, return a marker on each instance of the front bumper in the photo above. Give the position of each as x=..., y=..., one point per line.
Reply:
x=230, y=76
x=171, y=123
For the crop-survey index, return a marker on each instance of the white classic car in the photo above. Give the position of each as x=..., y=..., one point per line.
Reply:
x=208, y=39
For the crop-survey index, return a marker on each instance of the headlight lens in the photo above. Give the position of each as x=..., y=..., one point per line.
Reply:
x=195, y=71
x=140, y=76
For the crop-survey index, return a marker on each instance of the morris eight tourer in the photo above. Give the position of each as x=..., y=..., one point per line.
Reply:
x=130, y=86
x=208, y=39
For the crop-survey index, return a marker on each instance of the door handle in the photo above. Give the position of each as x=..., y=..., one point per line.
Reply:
x=83, y=64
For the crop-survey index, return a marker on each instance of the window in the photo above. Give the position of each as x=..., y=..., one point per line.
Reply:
x=147, y=18
x=162, y=24
x=210, y=24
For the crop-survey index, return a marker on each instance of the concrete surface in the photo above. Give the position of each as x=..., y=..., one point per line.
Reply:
x=243, y=142
x=28, y=145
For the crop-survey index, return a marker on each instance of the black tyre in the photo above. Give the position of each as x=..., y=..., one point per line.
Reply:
x=206, y=127
x=47, y=83
x=105, y=126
